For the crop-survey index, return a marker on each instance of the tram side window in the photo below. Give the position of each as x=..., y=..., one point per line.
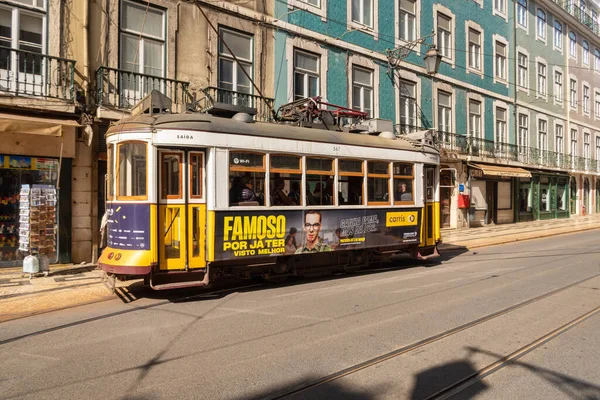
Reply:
x=110, y=176
x=378, y=182
x=246, y=179
x=196, y=164
x=403, y=183
x=319, y=181
x=131, y=171
x=350, y=182
x=171, y=176
x=285, y=180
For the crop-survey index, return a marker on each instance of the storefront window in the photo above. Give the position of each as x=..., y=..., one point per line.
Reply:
x=131, y=173
x=561, y=198
x=525, y=197
x=544, y=198
x=19, y=174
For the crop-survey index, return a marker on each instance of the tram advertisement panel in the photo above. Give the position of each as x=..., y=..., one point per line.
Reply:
x=128, y=226
x=256, y=233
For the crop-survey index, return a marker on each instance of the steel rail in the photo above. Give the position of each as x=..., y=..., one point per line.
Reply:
x=421, y=343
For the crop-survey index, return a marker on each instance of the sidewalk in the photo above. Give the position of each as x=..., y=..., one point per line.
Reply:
x=73, y=285
x=507, y=233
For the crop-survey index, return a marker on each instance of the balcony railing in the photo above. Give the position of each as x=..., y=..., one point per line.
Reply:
x=34, y=74
x=213, y=99
x=124, y=89
x=573, y=8
x=456, y=144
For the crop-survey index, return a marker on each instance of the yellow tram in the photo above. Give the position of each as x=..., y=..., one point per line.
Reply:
x=193, y=197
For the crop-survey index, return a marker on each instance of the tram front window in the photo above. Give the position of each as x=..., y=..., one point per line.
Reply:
x=131, y=171
x=247, y=174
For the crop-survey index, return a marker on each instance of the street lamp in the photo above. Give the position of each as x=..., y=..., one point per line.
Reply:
x=432, y=60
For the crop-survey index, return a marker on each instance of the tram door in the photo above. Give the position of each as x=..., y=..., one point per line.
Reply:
x=181, y=210
x=430, y=224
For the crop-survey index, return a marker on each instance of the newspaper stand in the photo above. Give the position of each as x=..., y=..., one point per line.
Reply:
x=37, y=227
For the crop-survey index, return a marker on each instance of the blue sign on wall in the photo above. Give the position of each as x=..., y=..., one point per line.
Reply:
x=461, y=188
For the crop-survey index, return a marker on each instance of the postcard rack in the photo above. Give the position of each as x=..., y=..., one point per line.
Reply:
x=37, y=219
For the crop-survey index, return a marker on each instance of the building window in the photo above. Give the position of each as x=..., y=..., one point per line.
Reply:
x=572, y=44
x=586, y=145
x=316, y=3
x=597, y=60
x=523, y=138
x=475, y=119
x=574, y=142
x=306, y=74
x=586, y=99
x=231, y=76
x=444, y=112
x=500, y=61
x=408, y=25
x=598, y=148
x=573, y=93
x=597, y=104
x=142, y=39
x=500, y=6
x=586, y=52
x=541, y=24
x=542, y=79
x=362, y=12
x=408, y=107
x=557, y=35
x=362, y=90
x=523, y=64
x=558, y=86
x=500, y=137
x=474, y=49
x=543, y=136
x=444, y=35
x=559, y=139
x=522, y=12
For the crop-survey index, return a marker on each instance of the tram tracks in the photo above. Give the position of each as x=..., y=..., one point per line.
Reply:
x=469, y=380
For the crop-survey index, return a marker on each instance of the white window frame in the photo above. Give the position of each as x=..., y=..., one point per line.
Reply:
x=542, y=80
x=597, y=148
x=539, y=27
x=320, y=10
x=448, y=125
x=572, y=46
x=573, y=99
x=585, y=53
x=497, y=79
x=298, y=43
x=559, y=145
x=522, y=22
x=573, y=143
x=306, y=73
x=522, y=86
x=558, y=92
x=542, y=131
x=502, y=136
x=500, y=11
x=585, y=100
x=451, y=57
x=557, y=35
x=587, y=144
x=597, y=61
x=406, y=119
x=364, y=63
x=475, y=98
x=470, y=25
x=236, y=64
x=596, y=104
x=399, y=40
x=523, y=132
x=372, y=28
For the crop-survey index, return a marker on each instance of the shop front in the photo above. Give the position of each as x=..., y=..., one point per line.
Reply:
x=543, y=196
x=35, y=182
x=597, y=196
x=492, y=189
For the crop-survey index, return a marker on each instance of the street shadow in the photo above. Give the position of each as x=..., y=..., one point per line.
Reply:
x=572, y=388
x=434, y=380
x=334, y=389
x=72, y=271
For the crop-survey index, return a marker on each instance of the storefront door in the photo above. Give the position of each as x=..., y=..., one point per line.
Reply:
x=182, y=210
x=491, y=201
x=573, y=197
x=585, y=208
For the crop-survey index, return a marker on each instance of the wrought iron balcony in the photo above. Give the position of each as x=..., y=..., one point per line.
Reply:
x=226, y=102
x=452, y=144
x=124, y=89
x=573, y=8
x=34, y=74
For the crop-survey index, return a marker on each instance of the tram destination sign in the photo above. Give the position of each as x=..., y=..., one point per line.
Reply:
x=258, y=234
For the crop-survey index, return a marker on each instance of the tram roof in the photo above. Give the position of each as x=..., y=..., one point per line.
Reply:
x=210, y=123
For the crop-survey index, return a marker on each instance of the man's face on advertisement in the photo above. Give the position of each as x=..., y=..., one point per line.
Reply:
x=312, y=226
